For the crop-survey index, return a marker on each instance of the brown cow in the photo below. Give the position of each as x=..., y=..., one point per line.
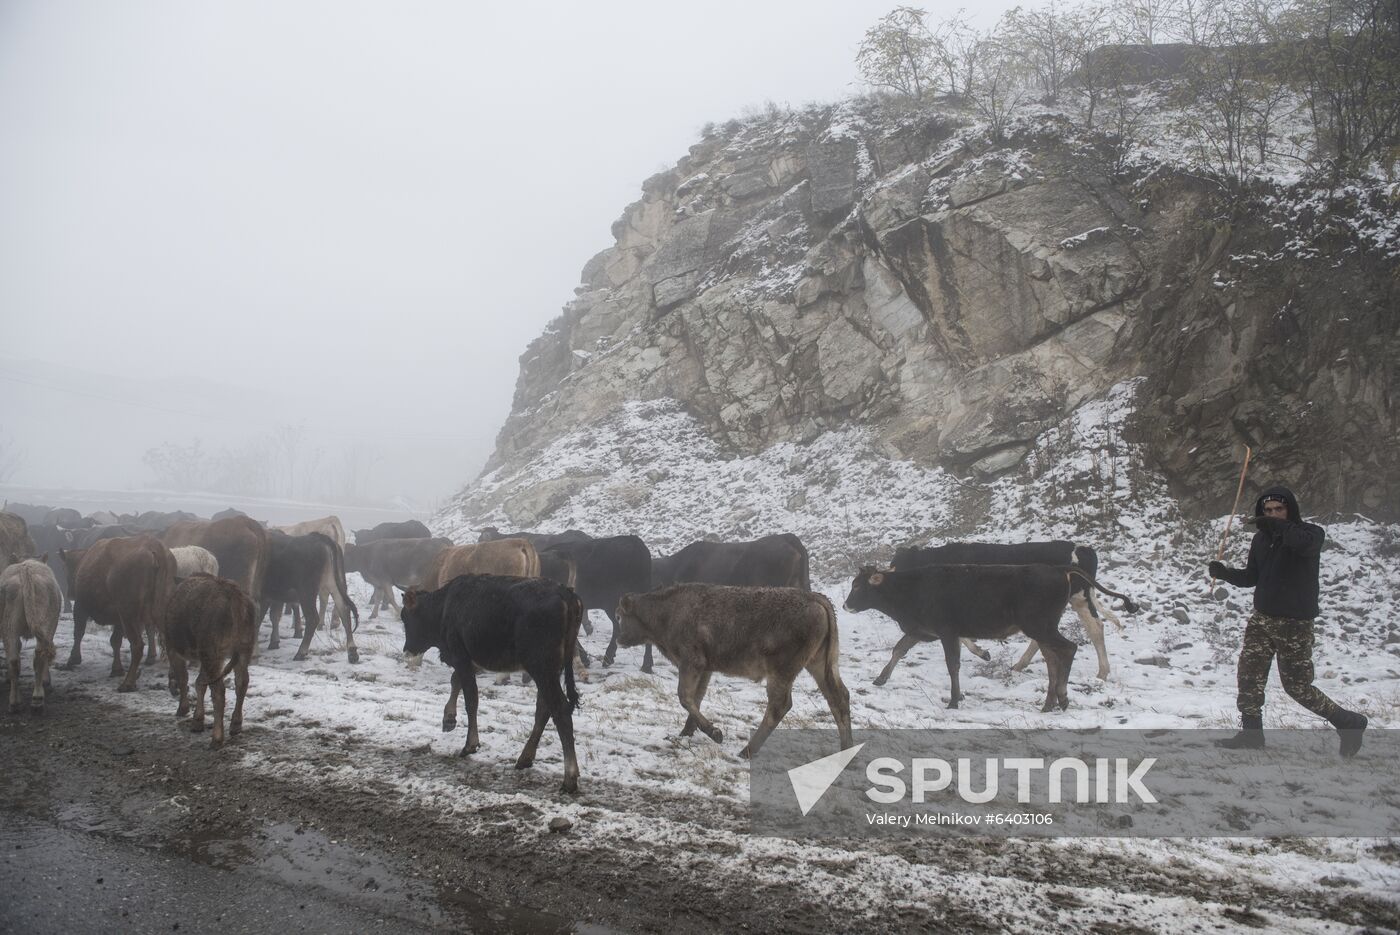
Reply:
x=210, y=620
x=756, y=633
x=124, y=584
x=239, y=544
x=501, y=557
x=14, y=538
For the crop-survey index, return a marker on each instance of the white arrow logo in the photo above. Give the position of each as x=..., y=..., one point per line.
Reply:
x=811, y=780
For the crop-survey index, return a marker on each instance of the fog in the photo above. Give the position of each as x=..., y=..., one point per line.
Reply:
x=332, y=228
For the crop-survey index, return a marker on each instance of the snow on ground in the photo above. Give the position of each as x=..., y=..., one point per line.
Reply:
x=1173, y=666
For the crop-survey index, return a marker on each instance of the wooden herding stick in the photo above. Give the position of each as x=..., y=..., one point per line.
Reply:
x=1220, y=553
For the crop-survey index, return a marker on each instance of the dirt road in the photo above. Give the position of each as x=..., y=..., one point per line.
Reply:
x=113, y=815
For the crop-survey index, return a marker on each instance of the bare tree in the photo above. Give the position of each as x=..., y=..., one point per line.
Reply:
x=1193, y=21
x=1145, y=22
x=998, y=86
x=357, y=464
x=285, y=444
x=178, y=467
x=1051, y=42
x=955, y=47
x=1348, y=52
x=897, y=53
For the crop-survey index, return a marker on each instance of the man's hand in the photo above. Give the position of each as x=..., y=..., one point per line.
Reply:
x=1217, y=570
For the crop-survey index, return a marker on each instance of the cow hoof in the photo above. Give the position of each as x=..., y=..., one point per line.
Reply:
x=182, y=712
x=881, y=680
x=746, y=753
x=646, y=669
x=448, y=726
x=354, y=655
x=299, y=657
x=1064, y=706
x=235, y=727
x=1018, y=667
x=717, y=735
x=468, y=749
x=36, y=707
x=196, y=727
x=69, y=666
x=570, y=787
x=1047, y=708
x=274, y=645
x=523, y=763
x=126, y=687
x=607, y=660
x=1103, y=675
x=216, y=743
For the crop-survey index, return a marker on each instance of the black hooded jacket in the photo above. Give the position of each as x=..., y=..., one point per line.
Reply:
x=1283, y=562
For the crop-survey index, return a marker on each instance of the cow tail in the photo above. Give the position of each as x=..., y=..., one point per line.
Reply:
x=831, y=647
x=806, y=570
x=575, y=620
x=34, y=614
x=339, y=565
x=1128, y=604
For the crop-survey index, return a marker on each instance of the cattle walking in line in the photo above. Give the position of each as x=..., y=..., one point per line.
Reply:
x=214, y=623
x=192, y=560
x=14, y=537
x=29, y=607
x=299, y=569
x=124, y=584
x=503, y=624
x=1058, y=552
x=389, y=563
x=238, y=543
x=501, y=557
x=408, y=529
x=606, y=569
x=948, y=602
x=756, y=633
x=776, y=561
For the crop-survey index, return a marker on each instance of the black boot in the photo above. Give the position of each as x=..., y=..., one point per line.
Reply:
x=1250, y=738
x=1350, y=724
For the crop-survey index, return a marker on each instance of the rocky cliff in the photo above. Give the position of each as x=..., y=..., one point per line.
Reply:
x=798, y=274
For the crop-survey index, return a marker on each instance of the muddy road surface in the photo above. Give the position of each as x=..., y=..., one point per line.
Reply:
x=114, y=816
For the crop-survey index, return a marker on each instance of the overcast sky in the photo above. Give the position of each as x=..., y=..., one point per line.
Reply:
x=359, y=212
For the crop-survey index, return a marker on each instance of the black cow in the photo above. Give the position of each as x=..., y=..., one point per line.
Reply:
x=158, y=522
x=67, y=517
x=776, y=561
x=504, y=624
x=540, y=540
x=607, y=569
x=48, y=540
x=297, y=568
x=87, y=538
x=948, y=602
x=409, y=529
x=1058, y=552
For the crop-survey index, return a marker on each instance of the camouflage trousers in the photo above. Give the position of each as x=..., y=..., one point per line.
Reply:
x=1291, y=641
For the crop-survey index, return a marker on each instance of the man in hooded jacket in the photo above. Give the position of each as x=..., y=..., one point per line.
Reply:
x=1283, y=571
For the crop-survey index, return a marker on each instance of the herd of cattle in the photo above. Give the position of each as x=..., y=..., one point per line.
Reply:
x=515, y=601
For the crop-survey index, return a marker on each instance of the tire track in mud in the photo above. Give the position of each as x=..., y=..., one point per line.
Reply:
x=472, y=836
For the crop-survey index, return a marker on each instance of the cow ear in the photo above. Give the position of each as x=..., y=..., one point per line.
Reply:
x=877, y=578
x=44, y=558
x=410, y=598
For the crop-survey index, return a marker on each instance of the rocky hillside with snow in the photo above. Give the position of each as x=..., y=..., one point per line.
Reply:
x=846, y=297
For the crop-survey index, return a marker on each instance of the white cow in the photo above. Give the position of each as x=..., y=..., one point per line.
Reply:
x=191, y=559
x=29, y=605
